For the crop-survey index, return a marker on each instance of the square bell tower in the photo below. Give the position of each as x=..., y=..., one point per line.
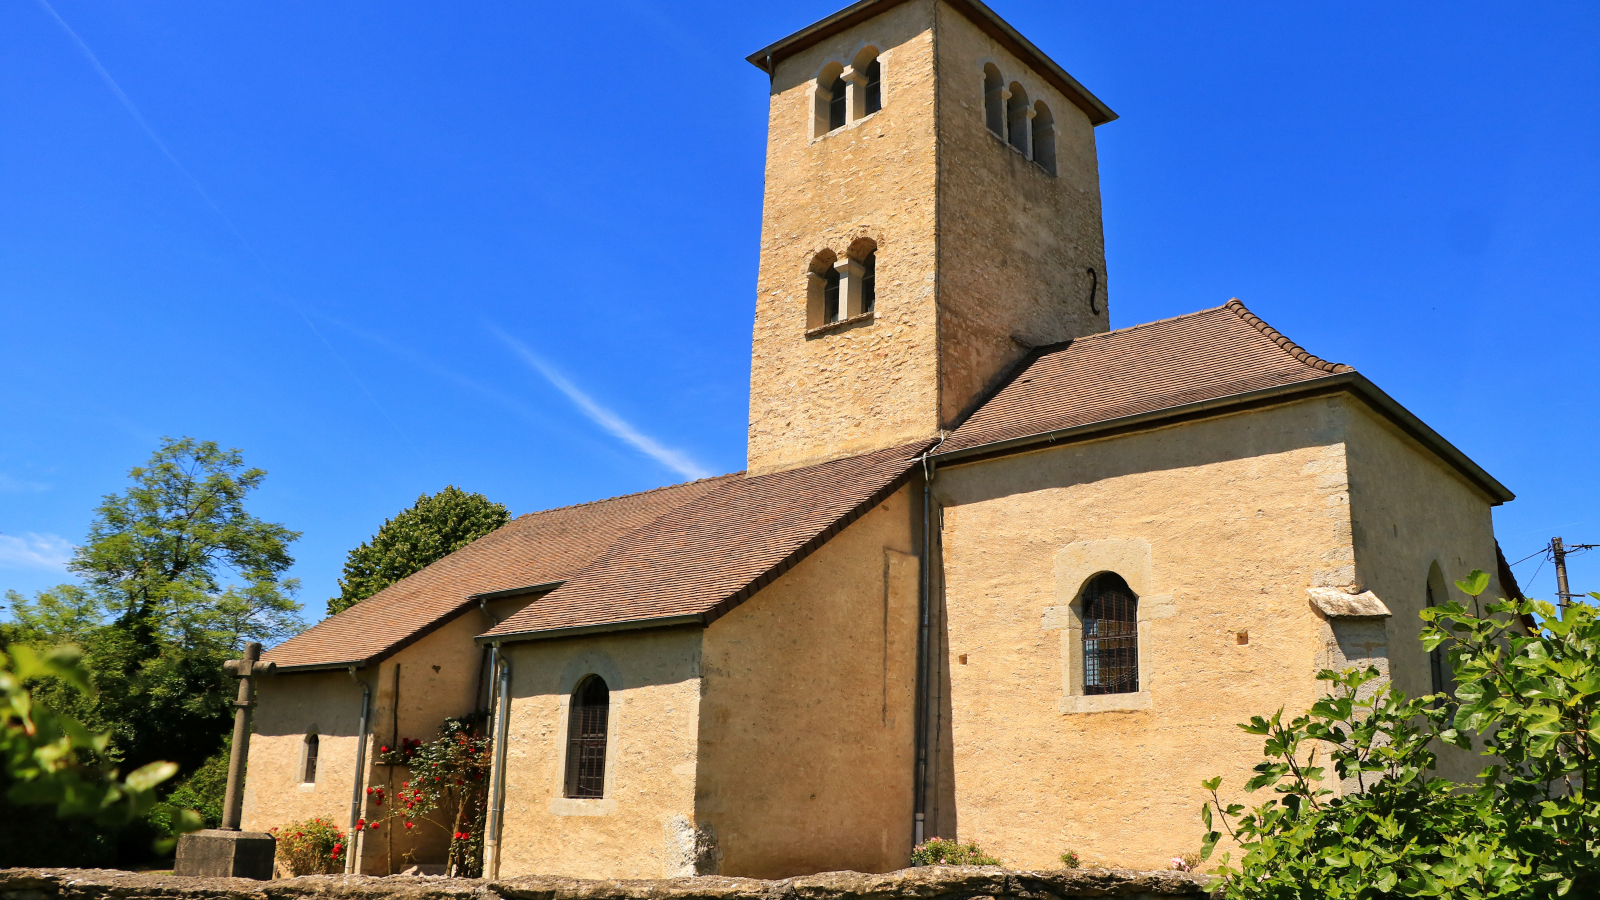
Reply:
x=932, y=211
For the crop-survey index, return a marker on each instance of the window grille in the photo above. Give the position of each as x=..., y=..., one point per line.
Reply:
x=836, y=104
x=830, y=295
x=874, y=87
x=586, y=739
x=311, y=759
x=869, y=288
x=1110, y=636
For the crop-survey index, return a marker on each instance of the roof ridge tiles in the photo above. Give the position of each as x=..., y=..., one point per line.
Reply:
x=1237, y=307
x=664, y=487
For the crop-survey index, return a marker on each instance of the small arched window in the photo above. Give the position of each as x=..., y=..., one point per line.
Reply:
x=994, y=102
x=1110, y=615
x=1044, y=137
x=586, y=739
x=869, y=283
x=828, y=113
x=1017, y=118
x=830, y=295
x=874, y=87
x=837, y=104
x=309, y=776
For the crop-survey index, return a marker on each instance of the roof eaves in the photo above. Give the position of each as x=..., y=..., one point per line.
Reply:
x=544, y=588
x=601, y=628
x=987, y=20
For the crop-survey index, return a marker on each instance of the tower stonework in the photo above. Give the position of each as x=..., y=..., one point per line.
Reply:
x=984, y=243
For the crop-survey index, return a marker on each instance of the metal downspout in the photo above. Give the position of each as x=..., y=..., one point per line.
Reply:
x=353, y=840
x=497, y=783
x=924, y=657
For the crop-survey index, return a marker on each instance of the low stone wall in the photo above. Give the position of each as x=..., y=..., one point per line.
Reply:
x=932, y=883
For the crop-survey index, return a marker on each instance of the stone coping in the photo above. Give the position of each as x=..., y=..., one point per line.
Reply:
x=928, y=883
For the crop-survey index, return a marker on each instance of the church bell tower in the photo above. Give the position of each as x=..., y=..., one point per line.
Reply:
x=932, y=211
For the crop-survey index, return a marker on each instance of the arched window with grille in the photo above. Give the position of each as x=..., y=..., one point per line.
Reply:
x=309, y=775
x=1110, y=616
x=587, y=721
x=994, y=101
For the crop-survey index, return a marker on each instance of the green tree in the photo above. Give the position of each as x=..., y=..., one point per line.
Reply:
x=431, y=529
x=1528, y=827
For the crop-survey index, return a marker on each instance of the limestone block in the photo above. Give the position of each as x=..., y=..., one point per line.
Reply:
x=1339, y=604
x=214, y=853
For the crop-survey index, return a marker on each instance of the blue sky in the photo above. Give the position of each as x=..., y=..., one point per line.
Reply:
x=387, y=247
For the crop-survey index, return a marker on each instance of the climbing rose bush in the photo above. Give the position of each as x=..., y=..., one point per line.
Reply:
x=447, y=789
x=312, y=847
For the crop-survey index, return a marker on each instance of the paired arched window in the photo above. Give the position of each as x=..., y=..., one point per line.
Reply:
x=587, y=720
x=309, y=775
x=1030, y=129
x=1110, y=617
x=842, y=288
x=846, y=95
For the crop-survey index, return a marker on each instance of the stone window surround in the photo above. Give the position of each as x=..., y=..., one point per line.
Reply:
x=582, y=665
x=855, y=81
x=1030, y=112
x=306, y=787
x=1075, y=565
x=851, y=270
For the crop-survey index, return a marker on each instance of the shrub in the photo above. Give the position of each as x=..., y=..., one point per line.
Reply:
x=314, y=847
x=1529, y=827
x=448, y=776
x=1070, y=860
x=940, y=852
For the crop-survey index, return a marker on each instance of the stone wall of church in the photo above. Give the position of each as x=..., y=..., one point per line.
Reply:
x=1413, y=515
x=871, y=384
x=440, y=676
x=807, y=715
x=644, y=825
x=1219, y=526
x=1015, y=242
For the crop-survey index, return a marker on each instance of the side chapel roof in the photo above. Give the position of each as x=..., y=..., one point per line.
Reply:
x=536, y=548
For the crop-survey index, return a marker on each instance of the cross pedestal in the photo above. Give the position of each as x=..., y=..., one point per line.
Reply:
x=228, y=852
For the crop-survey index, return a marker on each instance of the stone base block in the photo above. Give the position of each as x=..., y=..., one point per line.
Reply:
x=216, y=853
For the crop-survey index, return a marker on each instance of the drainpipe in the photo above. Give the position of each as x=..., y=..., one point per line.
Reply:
x=924, y=650
x=497, y=778
x=351, y=851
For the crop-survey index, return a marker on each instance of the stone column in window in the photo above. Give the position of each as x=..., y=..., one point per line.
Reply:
x=1005, y=114
x=856, y=94
x=850, y=272
x=816, y=298
x=1027, y=126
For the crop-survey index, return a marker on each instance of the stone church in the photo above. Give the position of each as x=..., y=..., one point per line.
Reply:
x=993, y=572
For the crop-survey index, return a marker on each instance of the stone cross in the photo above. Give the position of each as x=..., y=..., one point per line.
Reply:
x=228, y=852
x=245, y=670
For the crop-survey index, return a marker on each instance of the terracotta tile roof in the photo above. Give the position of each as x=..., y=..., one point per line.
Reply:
x=1201, y=356
x=536, y=548
x=707, y=556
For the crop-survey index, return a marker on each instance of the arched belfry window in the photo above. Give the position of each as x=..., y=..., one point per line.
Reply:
x=587, y=719
x=830, y=100
x=869, y=282
x=1110, y=616
x=1044, y=137
x=837, y=104
x=994, y=101
x=1017, y=119
x=310, y=773
x=874, y=86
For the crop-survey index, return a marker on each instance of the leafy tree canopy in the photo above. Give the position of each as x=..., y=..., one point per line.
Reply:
x=434, y=527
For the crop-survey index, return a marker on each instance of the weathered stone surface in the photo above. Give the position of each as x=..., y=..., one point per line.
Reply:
x=931, y=883
x=215, y=853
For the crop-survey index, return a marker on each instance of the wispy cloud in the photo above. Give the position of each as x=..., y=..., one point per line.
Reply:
x=9, y=485
x=676, y=460
x=35, y=551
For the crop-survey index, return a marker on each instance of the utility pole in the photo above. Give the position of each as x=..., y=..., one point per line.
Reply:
x=1560, y=552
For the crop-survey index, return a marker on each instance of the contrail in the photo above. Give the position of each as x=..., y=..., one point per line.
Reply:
x=200, y=189
x=675, y=460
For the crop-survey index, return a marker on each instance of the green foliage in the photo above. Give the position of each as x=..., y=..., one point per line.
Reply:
x=429, y=530
x=52, y=759
x=1070, y=860
x=1529, y=827
x=178, y=575
x=447, y=789
x=942, y=852
x=312, y=847
x=202, y=792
